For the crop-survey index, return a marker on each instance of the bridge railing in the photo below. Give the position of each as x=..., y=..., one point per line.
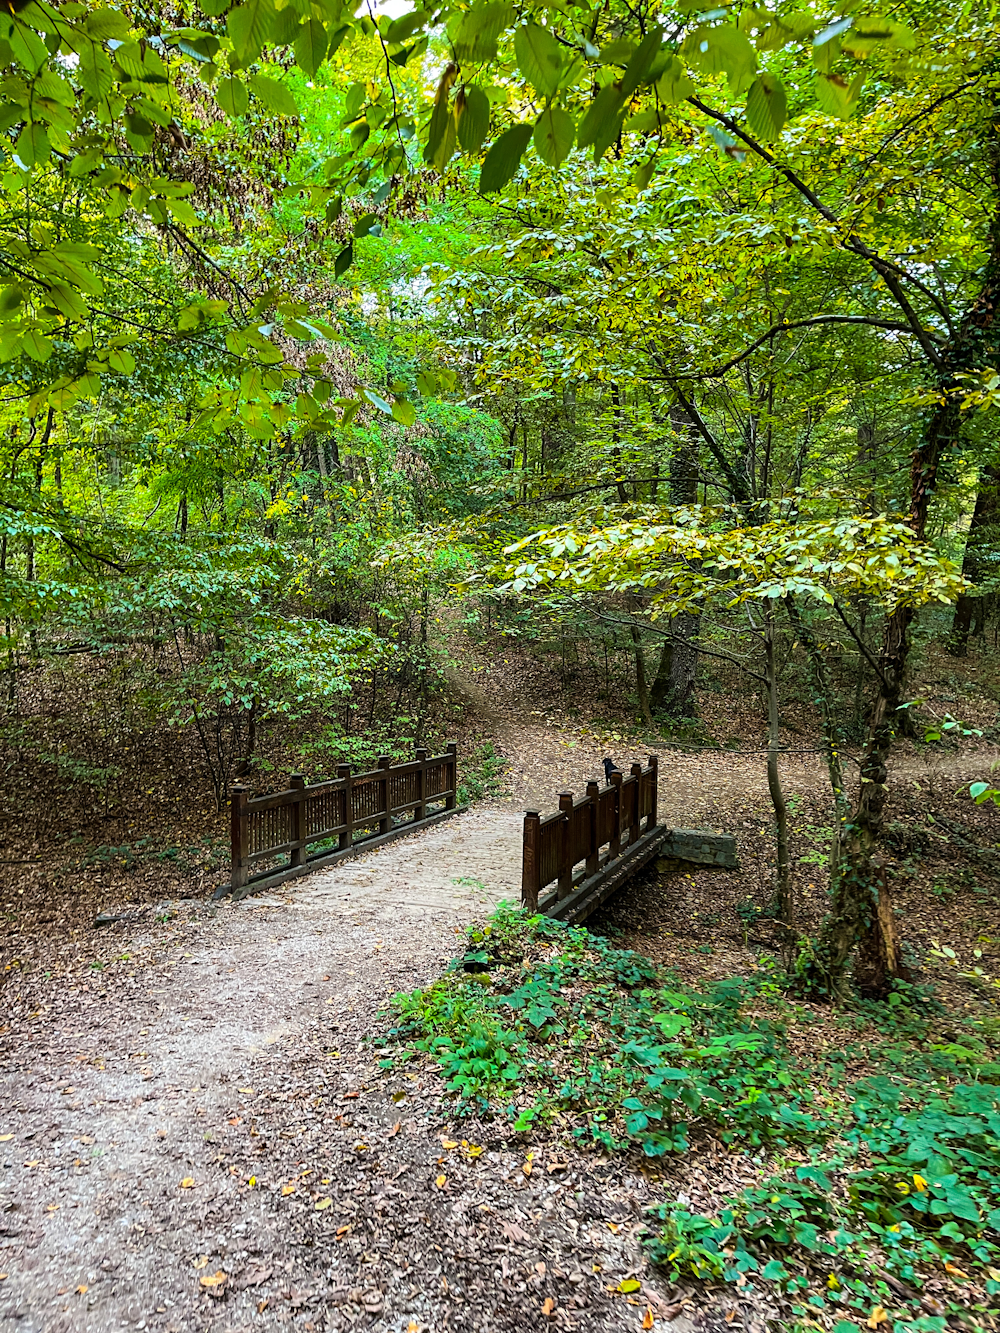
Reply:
x=575, y=835
x=341, y=813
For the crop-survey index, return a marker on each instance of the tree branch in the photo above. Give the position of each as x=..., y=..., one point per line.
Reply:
x=888, y=271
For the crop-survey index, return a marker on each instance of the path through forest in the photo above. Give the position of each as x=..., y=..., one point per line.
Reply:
x=196, y=1133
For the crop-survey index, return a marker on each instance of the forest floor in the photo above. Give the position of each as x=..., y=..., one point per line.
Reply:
x=197, y=1133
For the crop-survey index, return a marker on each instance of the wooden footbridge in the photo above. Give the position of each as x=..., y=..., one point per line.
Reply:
x=572, y=860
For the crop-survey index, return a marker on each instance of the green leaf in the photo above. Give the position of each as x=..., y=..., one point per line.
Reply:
x=473, y=118
x=767, y=107
x=554, y=134
x=538, y=57
x=774, y=1271
x=122, y=360
x=231, y=95
x=343, y=261
x=141, y=63
x=720, y=49
x=310, y=46
x=836, y=96
x=868, y=33
x=481, y=26
x=643, y=174
x=250, y=26
x=94, y=72
x=400, y=29
x=38, y=347
x=638, y=68
x=504, y=158
x=105, y=24
x=674, y=83
x=602, y=121
x=274, y=95
x=825, y=55
x=403, y=412
x=32, y=145
x=832, y=31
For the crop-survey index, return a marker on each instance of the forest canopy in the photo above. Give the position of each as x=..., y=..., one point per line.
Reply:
x=655, y=327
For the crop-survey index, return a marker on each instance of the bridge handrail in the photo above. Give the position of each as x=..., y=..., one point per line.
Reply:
x=611, y=816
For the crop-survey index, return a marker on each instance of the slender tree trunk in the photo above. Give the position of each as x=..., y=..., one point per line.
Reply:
x=673, y=686
x=861, y=913
x=641, y=688
x=982, y=532
x=783, y=888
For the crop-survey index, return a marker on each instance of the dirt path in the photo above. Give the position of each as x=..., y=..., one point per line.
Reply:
x=196, y=1097
x=195, y=1133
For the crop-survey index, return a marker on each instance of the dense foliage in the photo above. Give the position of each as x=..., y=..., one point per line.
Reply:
x=869, y=1186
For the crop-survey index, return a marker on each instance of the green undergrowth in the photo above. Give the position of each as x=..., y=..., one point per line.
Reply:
x=878, y=1202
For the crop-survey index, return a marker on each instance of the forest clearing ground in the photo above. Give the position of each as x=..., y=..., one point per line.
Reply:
x=154, y=1068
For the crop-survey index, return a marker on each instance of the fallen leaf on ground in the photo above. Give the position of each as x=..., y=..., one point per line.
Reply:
x=255, y=1274
x=82, y=1289
x=548, y=1306
x=613, y=1226
x=628, y=1285
x=513, y=1232
x=878, y=1316
x=647, y=1318
x=214, y=1280
x=449, y=1144
x=440, y=1182
x=288, y=1189
x=395, y=1129
x=6, y=1138
x=556, y=1166
x=949, y=1267
x=202, y=1262
x=323, y=1203
x=187, y=1182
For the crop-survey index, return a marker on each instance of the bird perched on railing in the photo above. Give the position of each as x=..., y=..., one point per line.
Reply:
x=610, y=767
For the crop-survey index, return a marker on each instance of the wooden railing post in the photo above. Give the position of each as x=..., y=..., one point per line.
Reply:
x=240, y=830
x=347, y=833
x=635, y=805
x=592, y=852
x=616, y=818
x=421, y=810
x=531, y=863
x=385, y=823
x=654, y=777
x=565, y=885
x=452, y=776
x=298, y=820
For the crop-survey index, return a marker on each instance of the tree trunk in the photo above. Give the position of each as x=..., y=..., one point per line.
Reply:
x=783, y=889
x=673, y=686
x=860, y=913
x=641, y=688
x=982, y=533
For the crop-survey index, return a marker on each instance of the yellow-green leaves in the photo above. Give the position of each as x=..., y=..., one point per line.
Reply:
x=442, y=131
x=472, y=107
x=538, y=58
x=836, y=96
x=504, y=158
x=553, y=135
x=231, y=95
x=721, y=49
x=274, y=95
x=249, y=26
x=602, y=122
x=767, y=107
x=479, y=29
x=310, y=46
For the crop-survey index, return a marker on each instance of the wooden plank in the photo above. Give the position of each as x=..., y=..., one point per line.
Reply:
x=269, y=879
x=595, y=889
